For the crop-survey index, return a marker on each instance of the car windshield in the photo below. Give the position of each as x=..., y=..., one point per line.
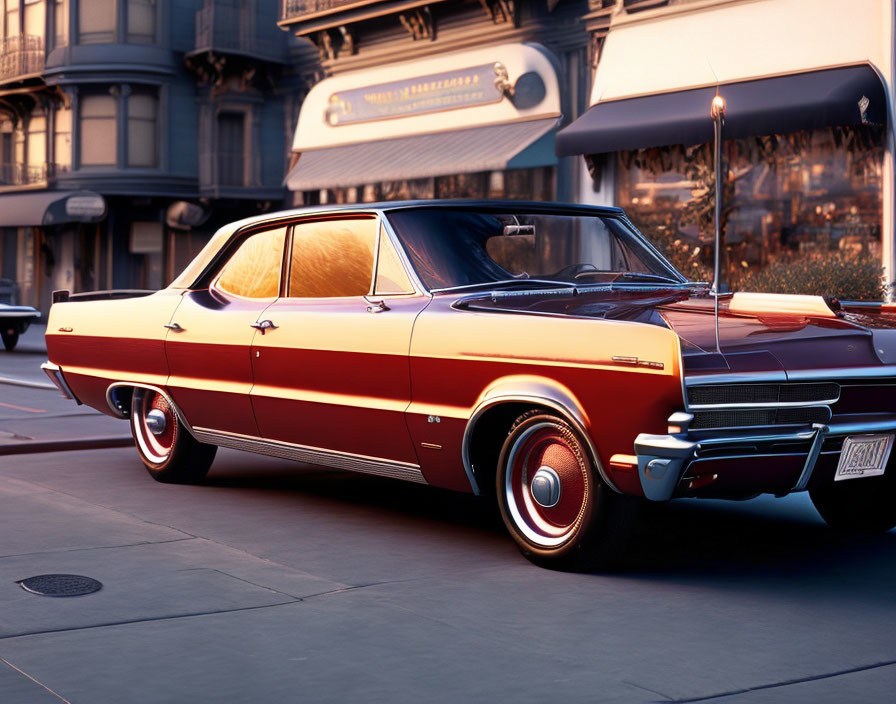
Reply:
x=453, y=248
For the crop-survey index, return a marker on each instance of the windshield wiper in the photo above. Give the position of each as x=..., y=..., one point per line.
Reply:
x=509, y=282
x=644, y=276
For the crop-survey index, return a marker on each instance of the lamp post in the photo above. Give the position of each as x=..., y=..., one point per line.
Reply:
x=717, y=113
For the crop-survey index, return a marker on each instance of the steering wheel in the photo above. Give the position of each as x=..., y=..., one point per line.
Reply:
x=575, y=271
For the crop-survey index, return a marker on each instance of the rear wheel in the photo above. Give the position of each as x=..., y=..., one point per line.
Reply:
x=552, y=500
x=10, y=338
x=858, y=505
x=169, y=452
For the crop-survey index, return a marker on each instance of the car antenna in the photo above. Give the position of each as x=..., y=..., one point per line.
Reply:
x=717, y=113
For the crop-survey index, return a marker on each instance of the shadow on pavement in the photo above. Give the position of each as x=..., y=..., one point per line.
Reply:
x=402, y=498
x=705, y=542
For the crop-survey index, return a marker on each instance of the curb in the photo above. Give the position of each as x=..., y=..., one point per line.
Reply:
x=101, y=443
x=27, y=384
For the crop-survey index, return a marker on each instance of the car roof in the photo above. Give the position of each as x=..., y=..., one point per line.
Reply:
x=224, y=235
x=395, y=205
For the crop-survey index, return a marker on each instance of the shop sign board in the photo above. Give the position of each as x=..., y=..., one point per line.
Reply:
x=461, y=88
x=86, y=206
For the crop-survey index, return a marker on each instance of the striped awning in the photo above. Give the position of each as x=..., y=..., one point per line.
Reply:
x=514, y=145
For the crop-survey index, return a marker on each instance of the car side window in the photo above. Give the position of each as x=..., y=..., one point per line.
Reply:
x=332, y=258
x=254, y=269
x=391, y=276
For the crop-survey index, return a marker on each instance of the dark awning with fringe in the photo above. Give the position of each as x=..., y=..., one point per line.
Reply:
x=852, y=95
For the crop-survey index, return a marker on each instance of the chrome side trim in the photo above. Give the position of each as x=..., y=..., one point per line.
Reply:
x=55, y=373
x=737, y=378
x=312, y=455
x=566, y=413
x=759, y=406
x=842, y=373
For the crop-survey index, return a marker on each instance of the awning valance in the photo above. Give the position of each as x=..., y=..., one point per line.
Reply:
x=839, y=96
x=515, y=145
x=41, y=208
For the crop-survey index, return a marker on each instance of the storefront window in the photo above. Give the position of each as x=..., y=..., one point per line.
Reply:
x=801, y=210
x=516, y=184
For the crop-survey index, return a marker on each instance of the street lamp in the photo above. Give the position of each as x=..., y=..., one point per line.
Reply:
x=717, y=113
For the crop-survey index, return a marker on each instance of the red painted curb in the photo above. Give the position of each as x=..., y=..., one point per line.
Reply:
x=26, y=448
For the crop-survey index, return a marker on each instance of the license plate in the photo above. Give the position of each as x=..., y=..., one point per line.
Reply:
x=863, y=456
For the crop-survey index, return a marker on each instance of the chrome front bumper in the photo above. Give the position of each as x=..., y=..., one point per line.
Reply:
x=664, y=459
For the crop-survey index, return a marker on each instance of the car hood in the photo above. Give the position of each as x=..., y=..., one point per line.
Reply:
x=779, y=333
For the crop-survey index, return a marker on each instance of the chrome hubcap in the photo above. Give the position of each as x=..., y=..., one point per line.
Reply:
x=154, y=424
x=545, y=487
x=156, y=421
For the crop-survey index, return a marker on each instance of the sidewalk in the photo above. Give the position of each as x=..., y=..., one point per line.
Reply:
x=34, y=417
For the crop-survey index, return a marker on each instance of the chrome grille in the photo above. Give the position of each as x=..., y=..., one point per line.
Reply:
x=745, y=418
x=762, y=394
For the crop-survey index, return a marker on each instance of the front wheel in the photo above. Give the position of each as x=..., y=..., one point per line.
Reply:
x=169, y=453
x=858, y=505
x=552, y=500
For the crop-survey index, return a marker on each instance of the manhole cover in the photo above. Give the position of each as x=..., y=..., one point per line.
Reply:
x=60, y=585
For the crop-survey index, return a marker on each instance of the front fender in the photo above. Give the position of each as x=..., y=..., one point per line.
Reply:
x=539, y=391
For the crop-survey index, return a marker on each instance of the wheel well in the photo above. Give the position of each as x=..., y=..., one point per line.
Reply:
x=487, y=439
x=119, y=398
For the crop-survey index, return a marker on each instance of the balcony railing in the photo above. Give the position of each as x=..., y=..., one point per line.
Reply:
x=21, y=55
x=29, y=175
x=231, y=26
x=292, y=9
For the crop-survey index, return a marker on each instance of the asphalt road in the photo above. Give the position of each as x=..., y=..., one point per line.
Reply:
x=32, y=411
x=278, y=582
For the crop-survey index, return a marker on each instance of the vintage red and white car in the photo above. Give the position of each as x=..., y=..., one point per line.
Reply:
x=547, y=355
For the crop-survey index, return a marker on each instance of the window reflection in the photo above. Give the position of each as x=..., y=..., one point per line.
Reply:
x=332, y=258
x=254, y=269
x=812, y=198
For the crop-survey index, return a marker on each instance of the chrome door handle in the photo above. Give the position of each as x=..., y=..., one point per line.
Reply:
x=175, y=327
x=376, y=306
x=263, y=326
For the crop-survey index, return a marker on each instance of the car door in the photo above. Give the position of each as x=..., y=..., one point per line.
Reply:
x=333, y=373
x=209, y=339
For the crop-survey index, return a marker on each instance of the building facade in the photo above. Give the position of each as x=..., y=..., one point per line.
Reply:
x=130, y=129
x=454, y=98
